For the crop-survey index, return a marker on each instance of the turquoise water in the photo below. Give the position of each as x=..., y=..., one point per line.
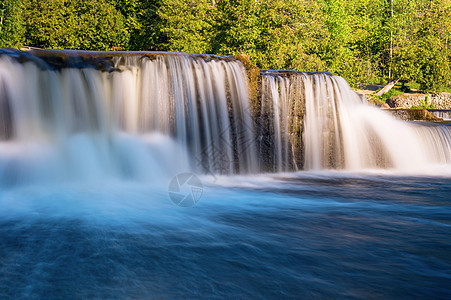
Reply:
x=89, y=149
x=300, y=235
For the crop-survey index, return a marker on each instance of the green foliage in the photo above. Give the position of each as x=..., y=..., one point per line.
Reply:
x=422, y=52
x=353, y=41
x=384, y=97
x=72, y=24
x=276, y=34
x=147, y=33
x=187, y=25
x=391, y=93
x=365, y=41
x=11, y=29
x=425, y=104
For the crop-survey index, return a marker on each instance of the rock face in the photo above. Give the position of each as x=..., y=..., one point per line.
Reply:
x=441, y=101
x=413, y=115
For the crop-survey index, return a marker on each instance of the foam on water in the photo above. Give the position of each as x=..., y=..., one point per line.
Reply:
x=341, y=131
x=85, y=124
x=86, y=157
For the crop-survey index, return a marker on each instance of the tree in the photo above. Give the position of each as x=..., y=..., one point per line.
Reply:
x=188, y=26
x=421, y=49
x=141, y=23
x=356, y=38
x=276, y=34
x=72, y=24
x=96, y=25
x=361, y=40
x=11, y=30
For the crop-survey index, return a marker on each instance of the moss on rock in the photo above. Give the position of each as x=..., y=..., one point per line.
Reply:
x=253, y=73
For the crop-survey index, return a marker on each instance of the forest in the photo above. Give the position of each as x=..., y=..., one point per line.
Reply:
x=364, y=41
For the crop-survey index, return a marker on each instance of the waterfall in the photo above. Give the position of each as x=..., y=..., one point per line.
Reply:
x=80, y=115
x=443, y=114
x=144, y=116
x=280, y=121
x=341, y=131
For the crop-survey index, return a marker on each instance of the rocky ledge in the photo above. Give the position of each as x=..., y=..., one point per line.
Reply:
x=413, y=115
x=406, y=101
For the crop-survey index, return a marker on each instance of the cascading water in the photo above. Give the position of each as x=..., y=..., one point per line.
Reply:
x=138, y=117
x=143, y=118
x=280, y=121
x=341, y=131
x=90, y=145
x=442, y=114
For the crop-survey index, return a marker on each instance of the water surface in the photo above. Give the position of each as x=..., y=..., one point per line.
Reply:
x=302, y=235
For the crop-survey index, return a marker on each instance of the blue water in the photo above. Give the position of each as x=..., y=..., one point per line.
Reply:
x=303, y=235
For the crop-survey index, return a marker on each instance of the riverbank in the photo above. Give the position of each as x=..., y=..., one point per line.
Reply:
x=405, y=100
x=410, y=105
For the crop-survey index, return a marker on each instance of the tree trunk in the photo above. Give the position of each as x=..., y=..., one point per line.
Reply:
x=387, y=87
x=2, y=15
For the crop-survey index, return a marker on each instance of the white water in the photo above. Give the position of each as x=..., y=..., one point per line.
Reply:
x=281, y=119
x=89, y=155
x=153, y=118
x=341, y=131
x=442, y=114
x=149, y=119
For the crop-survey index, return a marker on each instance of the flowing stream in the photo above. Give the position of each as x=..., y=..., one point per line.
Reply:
x=304, y=192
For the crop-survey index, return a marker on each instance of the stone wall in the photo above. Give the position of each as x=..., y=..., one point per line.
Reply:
x=413, y=115
x=406, y=101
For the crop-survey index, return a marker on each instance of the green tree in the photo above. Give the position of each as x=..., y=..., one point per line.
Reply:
x=11, y=30
x=187, y=25
x=361, y=40
x=96, y=25
x=146, y=34
x=44, y=23
x=276, y=34
x=356, y=38
x=72, y=24
x=421, y=49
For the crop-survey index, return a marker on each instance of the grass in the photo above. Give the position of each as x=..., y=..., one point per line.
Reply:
x=445, y=89
x=400, y=89
x=411, y=86
x=384, y=97
x=425, y=104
